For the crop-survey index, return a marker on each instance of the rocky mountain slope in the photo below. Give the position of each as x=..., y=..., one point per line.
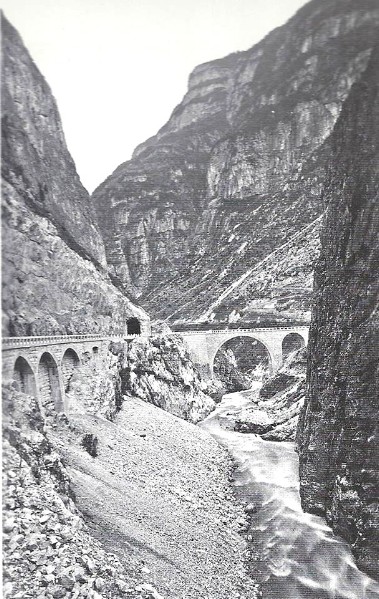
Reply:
x=47, y=548
x=54, y=265
x=238, y=169
x=338, y=438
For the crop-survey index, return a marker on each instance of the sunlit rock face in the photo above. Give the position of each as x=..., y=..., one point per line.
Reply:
x=35, y=157
x=53, y=259
x=338, y=440
x=238, y=169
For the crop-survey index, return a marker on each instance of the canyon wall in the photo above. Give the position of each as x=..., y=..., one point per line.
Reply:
x=237, y=172
x=53, y=261
x=338, y=434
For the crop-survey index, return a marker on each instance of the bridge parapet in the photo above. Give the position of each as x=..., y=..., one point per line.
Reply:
x=25, y=342
x=235, y=332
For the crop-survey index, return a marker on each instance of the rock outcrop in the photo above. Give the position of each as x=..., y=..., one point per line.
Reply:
x=237, y=171
x=159, y=371
x=239, y=363
x=275, y=409
x=338, y=436
x=54, y=265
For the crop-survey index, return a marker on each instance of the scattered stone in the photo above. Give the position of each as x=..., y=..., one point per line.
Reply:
x=90, y=443
x=9, y=525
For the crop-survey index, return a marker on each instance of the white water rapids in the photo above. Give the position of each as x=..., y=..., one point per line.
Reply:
x=300, y=557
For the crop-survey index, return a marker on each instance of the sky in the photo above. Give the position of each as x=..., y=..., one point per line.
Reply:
x=118, y=68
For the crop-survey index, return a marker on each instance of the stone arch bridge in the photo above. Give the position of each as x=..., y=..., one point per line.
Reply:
x=42, y=366
x=204, y=345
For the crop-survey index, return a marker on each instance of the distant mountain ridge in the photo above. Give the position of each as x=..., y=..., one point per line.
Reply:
x=239, y=167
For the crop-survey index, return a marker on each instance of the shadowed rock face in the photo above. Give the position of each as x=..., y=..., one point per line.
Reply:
x=338, y=439
x=53, y=263
x=238, y=169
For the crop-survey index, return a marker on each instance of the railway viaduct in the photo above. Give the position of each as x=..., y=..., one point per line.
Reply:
x=204, y=345
x=43, y=366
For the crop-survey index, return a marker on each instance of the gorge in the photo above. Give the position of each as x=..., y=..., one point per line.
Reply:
x=158, y=382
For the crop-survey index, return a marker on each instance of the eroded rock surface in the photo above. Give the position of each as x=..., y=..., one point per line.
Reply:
x=160, y=371
x=338, y=439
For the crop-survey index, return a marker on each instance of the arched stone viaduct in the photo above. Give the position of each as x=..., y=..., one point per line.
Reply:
x=42, y=366
x=204, y=345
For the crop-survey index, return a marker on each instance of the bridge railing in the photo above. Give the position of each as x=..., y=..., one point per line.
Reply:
x=13, y=342
x=227, y=331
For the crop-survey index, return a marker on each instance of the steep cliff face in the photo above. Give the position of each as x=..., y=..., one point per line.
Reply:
x=54, y=275
x=238, y=169
x=338, y=437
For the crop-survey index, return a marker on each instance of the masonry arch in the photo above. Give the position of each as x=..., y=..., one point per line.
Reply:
x=292, y=342
x=24, y=377
x=253, y=356
x=70, y=362
x=133, y=326
x=49, y=385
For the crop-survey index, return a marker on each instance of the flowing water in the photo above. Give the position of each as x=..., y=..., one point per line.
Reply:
x=300, y=557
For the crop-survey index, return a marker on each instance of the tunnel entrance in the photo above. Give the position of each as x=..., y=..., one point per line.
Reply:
x=70, y=362
x=240, y=362
x=291, y=343
x=133, y=326
x=48, y=383
x=24, y=377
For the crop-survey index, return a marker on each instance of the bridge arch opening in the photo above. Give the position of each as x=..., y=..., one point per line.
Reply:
x=133, y=326
x=291, y=343
x=70, y=363
x=241, y=361
x=24, y=377
x=49, y=385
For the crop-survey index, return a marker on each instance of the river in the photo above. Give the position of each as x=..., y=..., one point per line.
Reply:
x=300, y=556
